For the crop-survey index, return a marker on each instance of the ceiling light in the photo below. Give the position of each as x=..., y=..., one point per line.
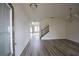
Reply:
x=33, y=5
x=71, y=16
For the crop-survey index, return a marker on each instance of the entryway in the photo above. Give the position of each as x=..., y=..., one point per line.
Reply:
x=34, y=30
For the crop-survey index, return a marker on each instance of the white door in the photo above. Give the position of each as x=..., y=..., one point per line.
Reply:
x=5, y=30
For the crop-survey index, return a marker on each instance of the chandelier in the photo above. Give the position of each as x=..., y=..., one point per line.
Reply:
x=33, y=5
x=71, y=16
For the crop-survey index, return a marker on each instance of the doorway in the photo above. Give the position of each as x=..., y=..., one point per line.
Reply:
x=34, y=30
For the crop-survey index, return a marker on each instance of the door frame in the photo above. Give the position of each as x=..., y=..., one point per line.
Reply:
x=13, y=32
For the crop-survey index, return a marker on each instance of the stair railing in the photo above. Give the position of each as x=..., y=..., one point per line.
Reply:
x=44, y=31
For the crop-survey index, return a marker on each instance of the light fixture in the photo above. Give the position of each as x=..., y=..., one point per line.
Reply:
x=51, y=17
x=71, y=16
x=33, y=5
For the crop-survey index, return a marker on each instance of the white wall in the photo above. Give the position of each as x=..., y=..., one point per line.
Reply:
x=56, y=29
x=73, y=30
x=21, y=28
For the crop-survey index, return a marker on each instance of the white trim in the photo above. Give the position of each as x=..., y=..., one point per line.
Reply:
x=11, y=29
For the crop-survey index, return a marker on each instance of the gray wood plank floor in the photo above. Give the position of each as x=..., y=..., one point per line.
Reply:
x=58, y=47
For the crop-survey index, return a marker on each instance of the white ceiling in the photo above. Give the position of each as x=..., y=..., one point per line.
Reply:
x=45, y=10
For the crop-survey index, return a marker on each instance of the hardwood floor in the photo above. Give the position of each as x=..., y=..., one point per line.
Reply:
x=58, y=47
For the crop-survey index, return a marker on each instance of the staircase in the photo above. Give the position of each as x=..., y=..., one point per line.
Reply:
x=44, y=31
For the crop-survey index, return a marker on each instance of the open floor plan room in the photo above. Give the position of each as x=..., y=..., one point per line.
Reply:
x=39, y=29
